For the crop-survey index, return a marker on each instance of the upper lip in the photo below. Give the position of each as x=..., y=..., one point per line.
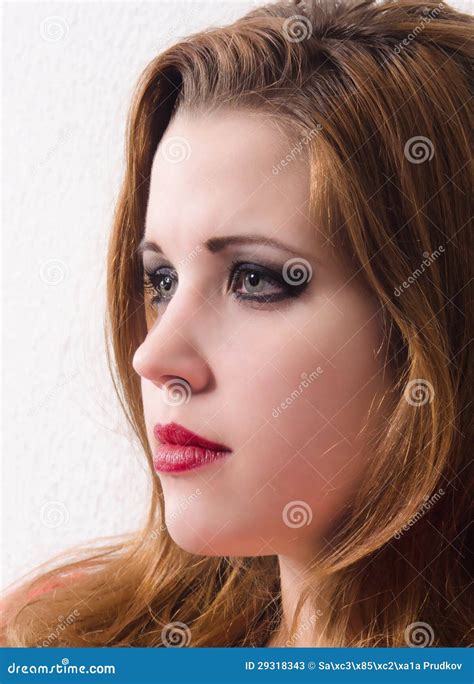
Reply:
x=173, y=433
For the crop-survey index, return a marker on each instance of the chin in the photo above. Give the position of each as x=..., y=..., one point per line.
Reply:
x=189, y=540
x=208, y=539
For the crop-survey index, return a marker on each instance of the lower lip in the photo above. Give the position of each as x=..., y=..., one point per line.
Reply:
x=174, y=458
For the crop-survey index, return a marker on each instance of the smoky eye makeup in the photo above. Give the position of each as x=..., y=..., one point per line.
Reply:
x=252, y=278
x=249, y=282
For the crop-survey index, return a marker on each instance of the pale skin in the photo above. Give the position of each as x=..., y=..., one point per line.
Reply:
x=243, y=360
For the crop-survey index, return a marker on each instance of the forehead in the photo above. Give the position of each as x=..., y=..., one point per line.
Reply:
x=215, y=172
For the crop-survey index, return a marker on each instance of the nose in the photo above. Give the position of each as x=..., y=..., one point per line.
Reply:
x=171, y=350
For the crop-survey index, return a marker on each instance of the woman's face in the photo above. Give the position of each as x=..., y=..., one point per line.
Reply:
x=285, y=384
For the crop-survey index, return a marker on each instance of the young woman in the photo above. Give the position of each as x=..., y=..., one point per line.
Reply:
x=288, y=288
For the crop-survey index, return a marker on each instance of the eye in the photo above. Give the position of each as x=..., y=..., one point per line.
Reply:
x=248, y=282
x=255, y=283
x=162, y=284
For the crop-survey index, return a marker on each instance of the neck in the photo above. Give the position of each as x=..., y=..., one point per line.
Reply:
x=293, y=579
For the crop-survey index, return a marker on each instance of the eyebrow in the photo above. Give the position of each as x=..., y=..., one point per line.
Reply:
x=217, y=244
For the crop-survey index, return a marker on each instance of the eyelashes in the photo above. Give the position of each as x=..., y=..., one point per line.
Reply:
x=254, y=279
x=154, y=281
x=253, y=275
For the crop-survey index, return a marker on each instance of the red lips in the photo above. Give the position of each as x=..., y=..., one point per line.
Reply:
x=173, y=433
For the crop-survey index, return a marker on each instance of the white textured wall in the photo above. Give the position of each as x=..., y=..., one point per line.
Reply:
x=70, y=469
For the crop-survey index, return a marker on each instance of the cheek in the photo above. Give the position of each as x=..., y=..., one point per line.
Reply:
x=308, y=378
x=295, y=396
x=151, y=400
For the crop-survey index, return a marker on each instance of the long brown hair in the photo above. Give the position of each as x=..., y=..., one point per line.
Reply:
x=380, y=93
